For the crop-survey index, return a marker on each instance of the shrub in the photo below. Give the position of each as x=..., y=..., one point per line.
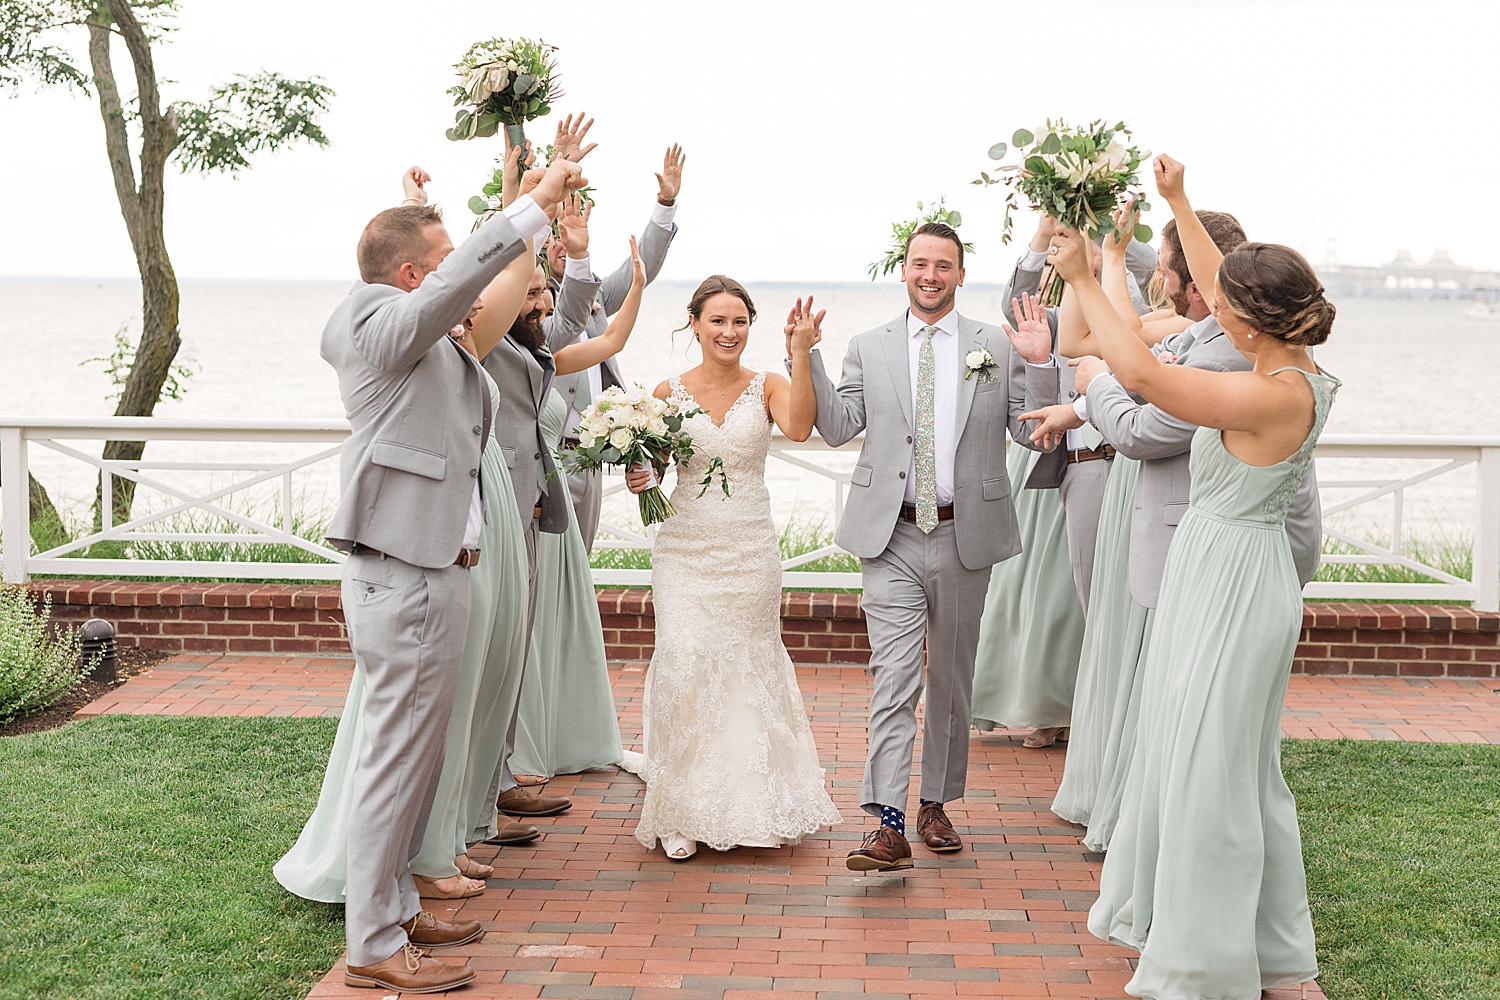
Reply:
x=36, y=666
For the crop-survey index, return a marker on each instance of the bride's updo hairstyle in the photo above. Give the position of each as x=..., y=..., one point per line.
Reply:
x=716, y=284
x=1275, y=290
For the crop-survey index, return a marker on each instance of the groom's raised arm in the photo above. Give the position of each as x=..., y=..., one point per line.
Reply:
x=841, y=408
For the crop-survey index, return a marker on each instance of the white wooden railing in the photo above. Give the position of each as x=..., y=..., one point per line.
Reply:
x=315, y=442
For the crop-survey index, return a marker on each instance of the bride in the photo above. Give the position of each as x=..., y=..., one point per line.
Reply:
x=729, y=755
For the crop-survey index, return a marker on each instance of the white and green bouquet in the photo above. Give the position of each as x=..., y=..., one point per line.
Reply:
x=629, y=427
x=503, y=82
x=1075, y=174
x=901, y=234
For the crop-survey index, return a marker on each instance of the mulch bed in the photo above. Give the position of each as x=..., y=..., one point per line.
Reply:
x=132, y=661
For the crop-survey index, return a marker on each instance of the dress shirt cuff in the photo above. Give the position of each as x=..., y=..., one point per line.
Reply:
x=579, y=268
x=662, y=215
x=526, y=216
x=1033, y=261
x=1081, y=408
x=1051, y=363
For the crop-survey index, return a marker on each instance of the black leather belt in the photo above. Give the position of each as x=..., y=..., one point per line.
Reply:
x=1090, y=454
x=909, y=512
x=467, y=558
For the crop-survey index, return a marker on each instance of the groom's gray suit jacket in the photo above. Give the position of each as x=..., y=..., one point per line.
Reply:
x=1163, y=444
x=874, y=396
x=417, y=405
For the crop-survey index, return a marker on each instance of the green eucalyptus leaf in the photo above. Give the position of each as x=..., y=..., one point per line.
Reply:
x=478, y=205
x=955, y=220
x=997, y=151
x=523, y=83
x=1022, y=138
x=1142, y=233
x=1051, y=144
x=1037, y=165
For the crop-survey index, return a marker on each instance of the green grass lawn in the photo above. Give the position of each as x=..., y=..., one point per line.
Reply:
x=136, y=854
x=1402, y=842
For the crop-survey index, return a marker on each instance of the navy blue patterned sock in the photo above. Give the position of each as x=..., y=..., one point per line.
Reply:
x=894, y=818
x=929, y=802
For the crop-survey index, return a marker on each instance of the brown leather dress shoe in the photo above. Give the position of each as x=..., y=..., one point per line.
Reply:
x=529, y=802
x=408, y=971
x=935, y=830
x=427, y=931
x=512, y=833
x=883, y=850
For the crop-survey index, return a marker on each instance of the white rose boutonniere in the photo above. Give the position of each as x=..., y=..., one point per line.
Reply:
x=979, y=362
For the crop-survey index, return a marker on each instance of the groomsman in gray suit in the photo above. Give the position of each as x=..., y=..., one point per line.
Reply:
x=929, y=513
x=1079, y=470
x=409, y=518
x=580, y=389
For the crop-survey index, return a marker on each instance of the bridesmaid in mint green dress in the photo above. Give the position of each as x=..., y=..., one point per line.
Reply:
x=1204, y=874
x=568, y=721
x=314, y=867
x=1032, y=629
x=1112, y=628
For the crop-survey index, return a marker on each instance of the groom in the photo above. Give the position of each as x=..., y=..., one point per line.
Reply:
x=929, y=512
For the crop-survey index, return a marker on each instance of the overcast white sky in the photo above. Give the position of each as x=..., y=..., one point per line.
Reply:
x=809, y=126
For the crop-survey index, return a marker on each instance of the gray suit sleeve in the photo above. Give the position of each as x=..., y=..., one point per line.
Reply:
x=1139, y=430
x=1304, y=526
x=403, y=329
x=653, y=245
x=575, y=303
x=1020, y=283
x=841, y=409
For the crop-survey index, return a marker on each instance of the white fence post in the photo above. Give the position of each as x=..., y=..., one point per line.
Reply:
x=15, y=531
x=1486, y=572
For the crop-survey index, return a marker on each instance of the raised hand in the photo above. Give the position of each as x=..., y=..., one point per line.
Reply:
x=1169, y=174
x=1054, y=424
x=414, y=184
x=1071, y=255
x=638, y=274
x=1032, y=337
x=669, y=181
x=1124, y=231
x=512, y=171
x=805, y=326
x=573, y=226
x=1089, y=368
x=1046, y=225
x=568, y=143
x=555, y=181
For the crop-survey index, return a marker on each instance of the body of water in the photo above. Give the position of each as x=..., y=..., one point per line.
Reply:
x=1408, y=367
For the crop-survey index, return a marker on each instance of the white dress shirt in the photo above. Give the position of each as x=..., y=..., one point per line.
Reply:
x=944, y=399
x=528, y=219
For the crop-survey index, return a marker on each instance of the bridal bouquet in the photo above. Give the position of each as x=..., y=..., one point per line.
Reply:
x=901, y=233
x=1077, y=175
x=626, y=427
x=504, y=82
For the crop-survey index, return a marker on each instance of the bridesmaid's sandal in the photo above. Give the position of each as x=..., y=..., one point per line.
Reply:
x=531, y=780
x=470, y=868
x=1043, y=738
x=464, y=888
x=678, y=847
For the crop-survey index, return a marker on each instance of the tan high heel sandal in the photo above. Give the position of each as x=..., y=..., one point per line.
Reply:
x=474, y=869
x=467, y=887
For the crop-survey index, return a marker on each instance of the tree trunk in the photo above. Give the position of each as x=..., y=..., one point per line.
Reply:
x=47, y=528
x=141, y=208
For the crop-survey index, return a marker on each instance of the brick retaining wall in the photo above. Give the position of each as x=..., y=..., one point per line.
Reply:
x=1409, y=640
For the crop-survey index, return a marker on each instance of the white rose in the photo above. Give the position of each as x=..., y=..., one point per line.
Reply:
x=635, y=396
x=617, y=416
x=1076, y=170
x=657, y=426
x=585, y=439
x=976, y=359
x=622, y=439
x=658, y=407
x=512, y=65
x=596, y=426
x=638, y=419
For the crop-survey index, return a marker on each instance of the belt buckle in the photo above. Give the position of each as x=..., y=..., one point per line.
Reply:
x=468, y=558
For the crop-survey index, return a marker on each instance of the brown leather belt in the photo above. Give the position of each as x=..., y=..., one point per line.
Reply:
x=909, y=512
x=467, y=558
x=570, y=442
x=536, y=511
x=1090, y=454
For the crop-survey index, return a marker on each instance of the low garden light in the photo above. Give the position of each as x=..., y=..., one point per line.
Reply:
x=97, y=641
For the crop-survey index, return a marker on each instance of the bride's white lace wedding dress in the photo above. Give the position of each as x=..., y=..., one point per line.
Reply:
x=729, y=754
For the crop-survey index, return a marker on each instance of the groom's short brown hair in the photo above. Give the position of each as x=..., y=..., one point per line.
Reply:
x=942, y=231
x=394, y=237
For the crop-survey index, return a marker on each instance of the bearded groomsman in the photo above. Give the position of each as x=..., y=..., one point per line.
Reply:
x=578, y=390
x=409, y=518
x=929, y=513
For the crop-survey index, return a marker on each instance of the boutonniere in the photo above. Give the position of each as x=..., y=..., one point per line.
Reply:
x=979, y=362
x=1167, y=358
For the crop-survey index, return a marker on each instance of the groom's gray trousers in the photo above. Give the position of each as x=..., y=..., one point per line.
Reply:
x=916, y=590
x=407, y=627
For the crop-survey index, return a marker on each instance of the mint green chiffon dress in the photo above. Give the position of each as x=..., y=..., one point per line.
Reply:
x=1106, y=638
x=1204, y=874
x=493, y=651
x=568, y=721
x=1032, y=628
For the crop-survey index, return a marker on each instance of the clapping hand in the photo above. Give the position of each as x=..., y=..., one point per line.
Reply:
x=669, y=181
x=1069, y=255
x=1032, y=337
x=1089, y=368
x=568, y=143
x=573, y=226
x=1169, y=174
x=414, y=184
x=1055, y=422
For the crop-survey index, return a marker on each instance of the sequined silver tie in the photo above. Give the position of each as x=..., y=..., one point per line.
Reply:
x=927, y=505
